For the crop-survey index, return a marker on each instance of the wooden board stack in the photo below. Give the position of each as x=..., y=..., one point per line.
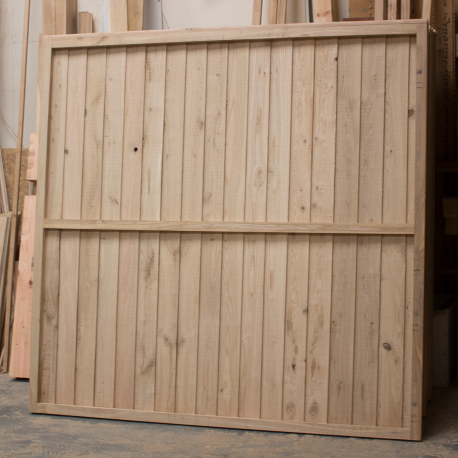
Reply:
x=22, y=323
x=235, y=236
x=5, y=224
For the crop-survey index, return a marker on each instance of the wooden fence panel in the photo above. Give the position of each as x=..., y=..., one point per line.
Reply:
x=303, y=332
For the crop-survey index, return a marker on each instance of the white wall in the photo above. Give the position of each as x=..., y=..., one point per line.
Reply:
x=11, y=34
x=173, y=14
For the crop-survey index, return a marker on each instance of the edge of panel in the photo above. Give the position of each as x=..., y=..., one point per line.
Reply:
x=44, y=99
x=226, y=422
x=250, y=33
x=420, y=227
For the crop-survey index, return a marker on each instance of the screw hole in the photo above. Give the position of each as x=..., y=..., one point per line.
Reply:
x=135, y=149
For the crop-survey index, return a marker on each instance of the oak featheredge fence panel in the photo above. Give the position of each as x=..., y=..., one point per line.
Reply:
x=228, y=227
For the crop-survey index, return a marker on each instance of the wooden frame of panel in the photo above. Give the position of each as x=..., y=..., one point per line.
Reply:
x=416, y=29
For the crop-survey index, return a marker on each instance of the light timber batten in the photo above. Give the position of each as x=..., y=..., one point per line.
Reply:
x=206, y=226
x=246, y=215
x=268, y=32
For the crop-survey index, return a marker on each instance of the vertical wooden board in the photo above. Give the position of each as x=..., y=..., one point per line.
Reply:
x=170, y=243
x=93, y=133
x=113, y=133
x=215, y=132
x=421, y=145
x=281, y=12
x=234, y=208
x=258, y=130
x=236, y=131
x=85, y=20
x=166, y=354
x=342, y=329
x=322, y=10
x=346, y=211
x=318, y=333
x=412, y=115
x=322, y=210
x=49, y=318
x=405, y=9
x=366, y=331
x=392, y=295
x=109, y=241
x=274, y=326
x=74, y=134
x=21, y=334
x=372, y=130
x=279, y=131
x=301, y=130
x=190, y=258
x=173, y=133
x=273, y=6
x=117, y=16
x=145, y=352
x=213, y=192
x=148, y=274
x=369, y=247
x=135, y=14
x=68, y=300
x=51, y=245
x=251, y=334
x=88, y=282
x=324, y=130
x=276, y=245
x=231, y=314
x=406, y=416
x=32, y=160
x=90, y=241
x=106, y=320
x=396, y=130
x=133, y=134
x=257, y=12
x=66, y=17
x=188, y=322
x=126, y=326
x=295, y=359
x=153, y=131
x=391, y=340
x=348, y=130
x=254, y=250
x=129, y=241
x=57, y=120
x=194, y=132
x=49, y=17
x=70, y=241
x=209, y=316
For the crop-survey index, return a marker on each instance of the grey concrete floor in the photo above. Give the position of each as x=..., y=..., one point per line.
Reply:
x=24, y=434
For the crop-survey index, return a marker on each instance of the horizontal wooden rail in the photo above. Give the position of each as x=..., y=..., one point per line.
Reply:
x=204, y=226
x=226, y=422
x=250, y=33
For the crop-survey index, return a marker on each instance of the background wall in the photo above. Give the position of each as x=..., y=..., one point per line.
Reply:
x=173, y=14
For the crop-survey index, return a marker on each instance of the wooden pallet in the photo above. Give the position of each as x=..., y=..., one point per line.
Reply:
x=235, y=235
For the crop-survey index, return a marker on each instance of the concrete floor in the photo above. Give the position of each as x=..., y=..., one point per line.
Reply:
x=24, y=434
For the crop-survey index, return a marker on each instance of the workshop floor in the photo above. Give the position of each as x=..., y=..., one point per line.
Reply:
x=24, y=434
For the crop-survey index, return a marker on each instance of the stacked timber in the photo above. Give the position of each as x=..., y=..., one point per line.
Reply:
x=5, y=224
x=22, y=324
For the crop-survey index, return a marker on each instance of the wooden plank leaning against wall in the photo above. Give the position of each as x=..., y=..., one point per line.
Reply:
x=59, y=17
x=17, y=181
x=124, y=15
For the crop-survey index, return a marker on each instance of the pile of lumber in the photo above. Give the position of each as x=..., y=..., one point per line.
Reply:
x=5, y=224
